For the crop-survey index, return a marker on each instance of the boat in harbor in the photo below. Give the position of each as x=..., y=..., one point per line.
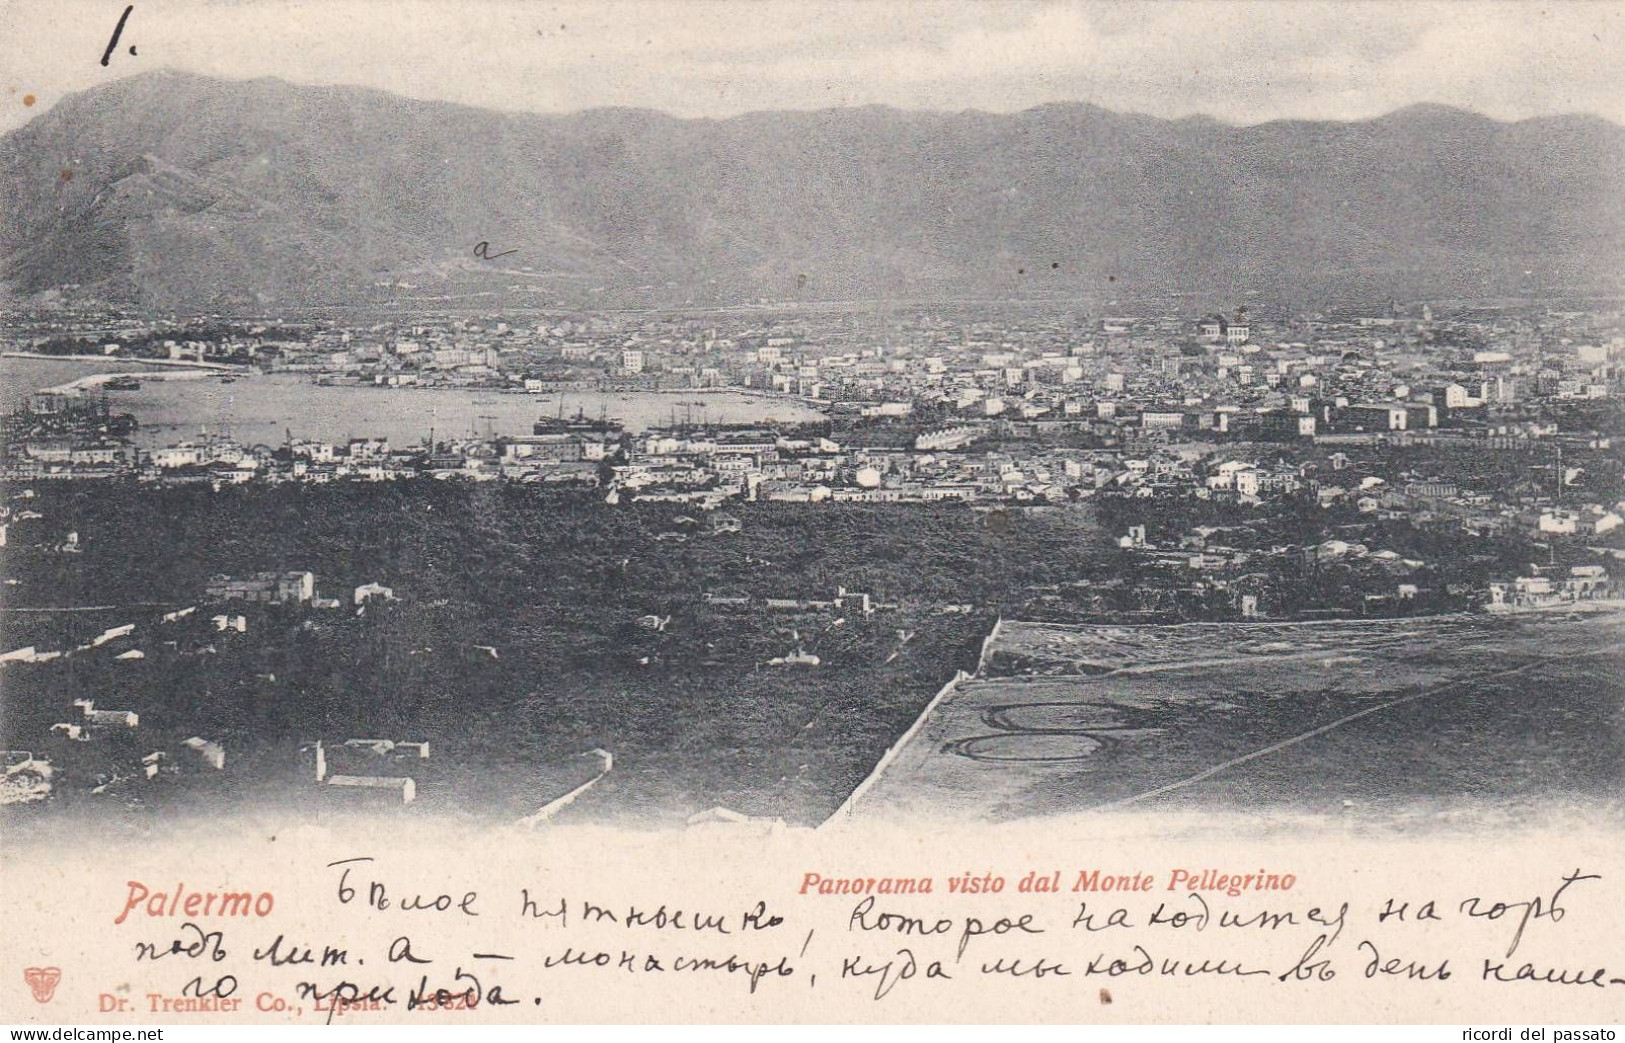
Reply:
x=578, y=424
x=122, y=384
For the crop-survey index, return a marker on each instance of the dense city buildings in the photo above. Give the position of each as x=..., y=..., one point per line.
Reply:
x=1368, y=416
x=738, y=498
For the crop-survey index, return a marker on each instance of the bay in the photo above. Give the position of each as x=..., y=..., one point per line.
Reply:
x=265, y=409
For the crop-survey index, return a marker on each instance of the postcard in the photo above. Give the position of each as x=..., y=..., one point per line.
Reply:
x=813, y=512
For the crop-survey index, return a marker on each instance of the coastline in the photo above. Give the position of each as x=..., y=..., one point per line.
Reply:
x=95, y=380
x=217, y=367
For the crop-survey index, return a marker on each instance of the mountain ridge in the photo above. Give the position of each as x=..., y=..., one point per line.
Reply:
x=1412, y=108
x=172, y=190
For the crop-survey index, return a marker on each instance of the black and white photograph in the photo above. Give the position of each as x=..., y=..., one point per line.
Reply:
x=773, y=416
x=804, y=512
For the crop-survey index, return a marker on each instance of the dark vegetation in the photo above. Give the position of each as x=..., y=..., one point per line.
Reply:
x=518, y=639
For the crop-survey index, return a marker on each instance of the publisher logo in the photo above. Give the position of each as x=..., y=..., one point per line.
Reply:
x=42, y=982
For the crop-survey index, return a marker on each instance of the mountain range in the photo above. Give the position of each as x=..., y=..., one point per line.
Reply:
x=178, y=192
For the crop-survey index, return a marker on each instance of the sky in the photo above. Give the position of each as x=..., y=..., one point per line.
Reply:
x=1239, y=61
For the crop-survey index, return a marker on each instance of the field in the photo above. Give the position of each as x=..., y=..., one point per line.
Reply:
x=529, y=628
x=1383, y=723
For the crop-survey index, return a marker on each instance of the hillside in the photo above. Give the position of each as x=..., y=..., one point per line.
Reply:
x=176, y=191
